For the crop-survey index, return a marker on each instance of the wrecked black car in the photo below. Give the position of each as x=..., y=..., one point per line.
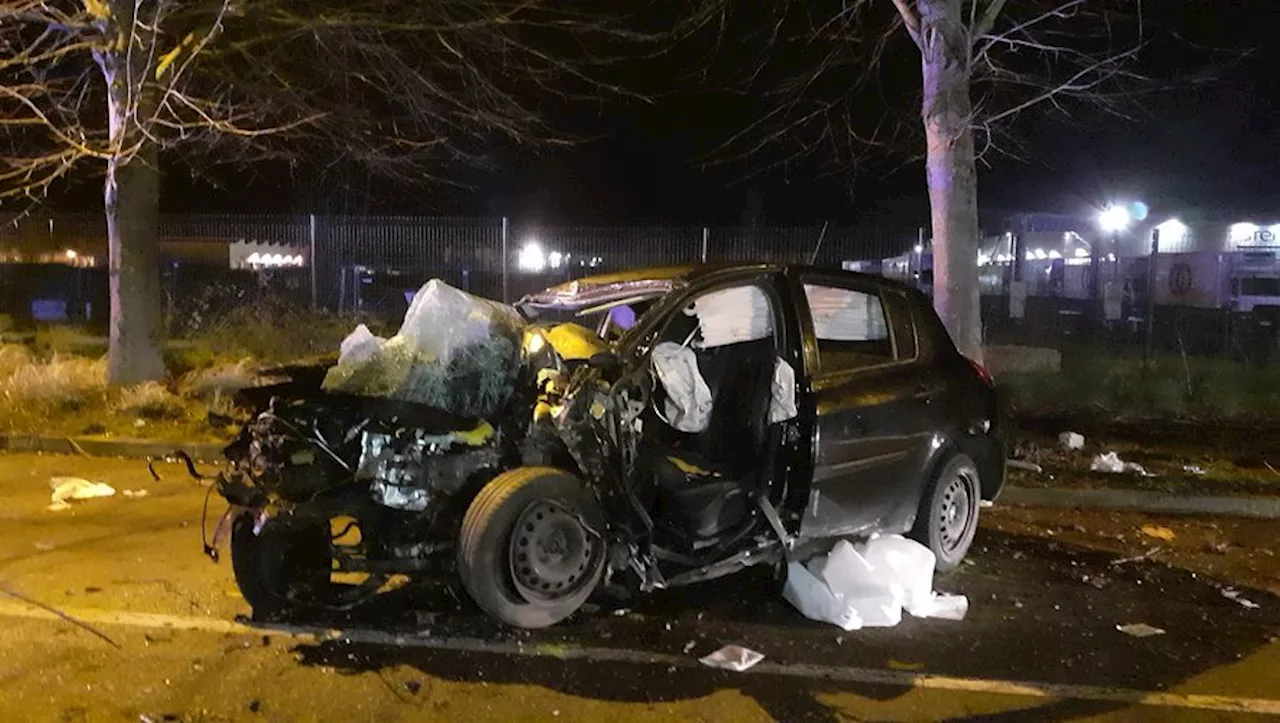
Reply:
x=648, y=430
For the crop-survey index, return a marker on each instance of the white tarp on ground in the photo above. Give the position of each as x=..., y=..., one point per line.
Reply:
x=454, y=351
x=870, y=584
x=75, y=488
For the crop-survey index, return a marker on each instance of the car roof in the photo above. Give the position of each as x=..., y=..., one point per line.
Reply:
x=660, y=280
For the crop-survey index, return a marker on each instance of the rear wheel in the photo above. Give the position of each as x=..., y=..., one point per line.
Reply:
x=285, y=566
x=530, y=551
x=948, y=518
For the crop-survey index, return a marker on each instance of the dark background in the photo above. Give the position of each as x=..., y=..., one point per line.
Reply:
x=1213, y=145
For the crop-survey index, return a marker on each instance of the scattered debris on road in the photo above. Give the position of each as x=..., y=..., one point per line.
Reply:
x=1071, y=440
x=1140, y=630
x=1111, y=463
x=134, y=494
x=1136, y=558
x=1158, y=532
x=1231, y=593
x=1024, y=466
x=1194, y=469
x=869, y=585
x=732, y=657
x=75, y=488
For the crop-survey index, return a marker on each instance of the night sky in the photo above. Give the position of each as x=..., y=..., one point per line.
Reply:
x=1215, y=146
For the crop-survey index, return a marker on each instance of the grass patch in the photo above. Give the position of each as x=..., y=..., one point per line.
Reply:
x=272, y=332
x=56, y=383
x=1168, y=386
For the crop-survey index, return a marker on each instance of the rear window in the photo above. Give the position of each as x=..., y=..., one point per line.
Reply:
x=850, y=327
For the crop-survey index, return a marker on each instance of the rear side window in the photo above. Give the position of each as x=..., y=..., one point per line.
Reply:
x=850, y=328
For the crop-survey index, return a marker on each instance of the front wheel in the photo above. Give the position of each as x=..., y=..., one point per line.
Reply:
x=531, y=550
x=948, y=517
x=284, y=567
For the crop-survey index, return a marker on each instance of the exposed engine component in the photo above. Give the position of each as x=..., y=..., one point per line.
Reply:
x=406, y=469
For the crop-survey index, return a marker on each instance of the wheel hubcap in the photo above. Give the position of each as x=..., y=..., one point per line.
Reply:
x=551, y=555
x=955, y=513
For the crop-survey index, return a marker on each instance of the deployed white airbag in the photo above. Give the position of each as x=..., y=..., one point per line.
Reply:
x=732, y=316
x=688, y=404
x=454, y=351
x=783, y=405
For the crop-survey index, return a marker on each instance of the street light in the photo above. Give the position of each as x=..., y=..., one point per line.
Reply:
x=531, y=258
x=1114, y=219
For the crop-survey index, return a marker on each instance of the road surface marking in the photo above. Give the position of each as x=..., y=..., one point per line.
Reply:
x=902, y=678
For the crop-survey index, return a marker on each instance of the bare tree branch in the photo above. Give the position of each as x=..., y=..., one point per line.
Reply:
x=909, y=19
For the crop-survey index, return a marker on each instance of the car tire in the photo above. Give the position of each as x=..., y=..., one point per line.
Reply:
x=284, y=567
x=948, y=517
x=524, y=554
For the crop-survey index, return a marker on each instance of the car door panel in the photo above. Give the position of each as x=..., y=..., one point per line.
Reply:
x=870, y=441
x=873, y=431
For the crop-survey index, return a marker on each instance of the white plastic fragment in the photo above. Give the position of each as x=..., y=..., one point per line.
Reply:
x=943, y=607
x=1111, y=463
x=815, y=601
x=1071, y=440
x=1231, y=593
x=732, y=657
x=134, y=494
x=874, y=595
x=1140, y=630
x=1194, y=469
x=75, y=488
x=360, y=346
x=870, y=584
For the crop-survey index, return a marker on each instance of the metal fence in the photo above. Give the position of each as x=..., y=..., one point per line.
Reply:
x=358, y=261
x=368, y=263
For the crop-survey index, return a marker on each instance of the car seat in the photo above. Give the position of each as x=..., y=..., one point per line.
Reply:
x=705, y=481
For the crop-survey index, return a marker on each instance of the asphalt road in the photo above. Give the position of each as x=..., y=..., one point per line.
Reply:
x=159, y=633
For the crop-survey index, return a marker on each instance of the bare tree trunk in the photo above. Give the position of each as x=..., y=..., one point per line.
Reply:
x=951, y=171
x=132, y=199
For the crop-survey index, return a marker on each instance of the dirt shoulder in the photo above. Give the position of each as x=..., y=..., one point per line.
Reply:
x=1164, y=456
x=1242, y=551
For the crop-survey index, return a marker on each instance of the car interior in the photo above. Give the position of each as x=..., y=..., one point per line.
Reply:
x=705, y=480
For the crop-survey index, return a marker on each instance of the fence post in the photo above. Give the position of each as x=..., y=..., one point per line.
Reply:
x=1151, y=294
x=706, y=238
x=505, y=291
x=312, y=261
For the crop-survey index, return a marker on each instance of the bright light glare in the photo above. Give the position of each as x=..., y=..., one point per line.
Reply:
x=532, y=258
x=1040, y=254
x=1243, y=231
x=1172, y=230
x=555, y=257
x=1114, y=218
x=1054, y=254
x=71, y=254
x=1082, y=253
x=919, y=248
